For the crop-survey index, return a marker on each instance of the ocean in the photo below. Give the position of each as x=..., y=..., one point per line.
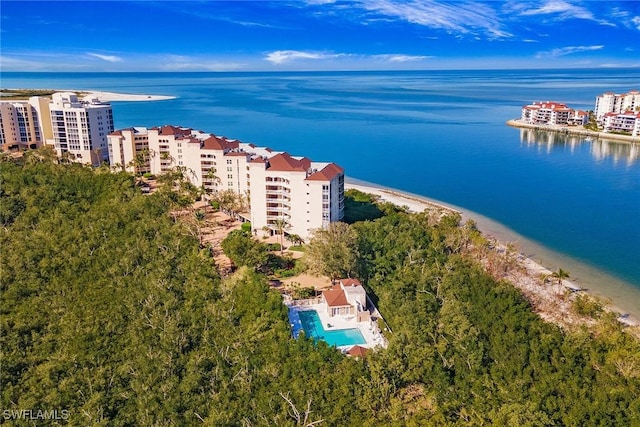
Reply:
x=572, y=202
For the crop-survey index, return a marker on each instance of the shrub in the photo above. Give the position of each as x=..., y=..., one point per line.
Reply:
x=273, y=246
x=246, y=226
x=303, y=292
x=586, y=305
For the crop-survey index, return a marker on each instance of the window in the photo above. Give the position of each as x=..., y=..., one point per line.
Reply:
x=229, y=176
x=229, y=169
x=229, y=161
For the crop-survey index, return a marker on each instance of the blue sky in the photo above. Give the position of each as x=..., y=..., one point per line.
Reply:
x=317, y=35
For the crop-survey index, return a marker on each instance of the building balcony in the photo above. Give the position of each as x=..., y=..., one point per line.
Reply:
x=278, y=200
x=277, y=193
x=273, y=216
x=283, y=209
x=277, y=188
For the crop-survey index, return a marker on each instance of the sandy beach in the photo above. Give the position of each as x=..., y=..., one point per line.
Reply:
x=549, y=301
x=113, y=96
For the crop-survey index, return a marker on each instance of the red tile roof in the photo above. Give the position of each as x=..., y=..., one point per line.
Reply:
x=357, y=351
x=173, y=130
x=548, y=105
x=327, y=173
x=216, y=143
x=285, y=163
x=350, y=282
x=335, y=297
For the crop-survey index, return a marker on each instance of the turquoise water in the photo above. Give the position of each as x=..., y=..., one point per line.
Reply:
x=440, y=134
x=312, y=326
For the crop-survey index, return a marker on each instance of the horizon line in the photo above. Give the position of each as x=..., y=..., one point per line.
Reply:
x=325, y=70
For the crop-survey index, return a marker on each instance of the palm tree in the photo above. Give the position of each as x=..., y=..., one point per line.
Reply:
x=139, y=162
x=118, y=167
x=560, y=275
x=67, y=157
x=97, y=152
x=280, y=225
x=164, y=155
x=199, y=217
x=212, y=177
x=295, y=239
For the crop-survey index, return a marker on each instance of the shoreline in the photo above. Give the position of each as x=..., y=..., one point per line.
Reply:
x=620, y=298
x=102, y=96
x=575, y=130
x=114, y=96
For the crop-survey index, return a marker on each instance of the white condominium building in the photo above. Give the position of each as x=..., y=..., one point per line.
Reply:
x=553, y=113
x=20, y=127
x=304, y=195
x=80, y=127
x=628, y=121
x=610, y=102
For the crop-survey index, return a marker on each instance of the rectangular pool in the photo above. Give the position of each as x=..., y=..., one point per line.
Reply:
x=312, y=326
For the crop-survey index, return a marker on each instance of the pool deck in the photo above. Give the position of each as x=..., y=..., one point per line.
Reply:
x=368, y=329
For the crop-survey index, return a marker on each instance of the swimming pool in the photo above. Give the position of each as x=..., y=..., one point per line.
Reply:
x=309, y=321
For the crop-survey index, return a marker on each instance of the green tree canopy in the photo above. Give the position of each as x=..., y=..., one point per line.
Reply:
x=333, y=251
x=243, y=250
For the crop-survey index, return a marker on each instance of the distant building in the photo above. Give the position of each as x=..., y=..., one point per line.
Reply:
x=629, y=121
x=80, y=127
x=610, y=102
x=553, y=113
x=76, y=128
x=305, y=195
x=20, y=125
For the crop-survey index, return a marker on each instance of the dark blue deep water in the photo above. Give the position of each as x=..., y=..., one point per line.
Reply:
x=440, y=134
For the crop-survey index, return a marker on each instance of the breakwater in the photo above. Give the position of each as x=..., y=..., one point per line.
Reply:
x=575, y=130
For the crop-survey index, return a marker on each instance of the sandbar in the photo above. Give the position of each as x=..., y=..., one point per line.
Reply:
x=113, y=96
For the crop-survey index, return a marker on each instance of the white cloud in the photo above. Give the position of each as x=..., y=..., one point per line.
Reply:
x=282, y=56
x=568, y=50
x=560, y=10
x=458, y=17
x=401, y=58
x=108, y=58
x=636, y=21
